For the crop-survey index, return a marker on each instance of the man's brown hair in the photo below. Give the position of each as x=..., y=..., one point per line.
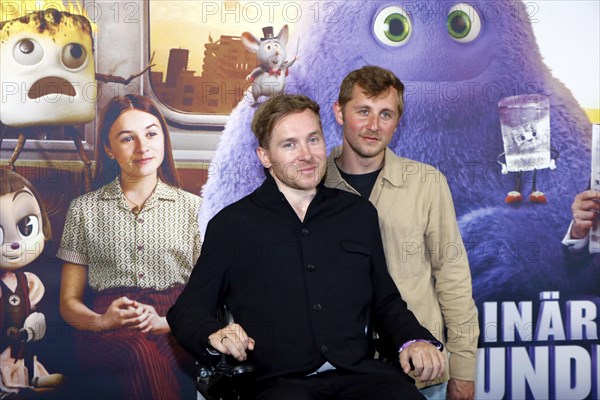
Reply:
x=276, y=108
x=374, y=81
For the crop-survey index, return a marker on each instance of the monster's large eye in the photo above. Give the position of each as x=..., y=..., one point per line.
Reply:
x=73, y=55
x=28, y=226
x=392, y=26
x=463, y=23
x=28, y=52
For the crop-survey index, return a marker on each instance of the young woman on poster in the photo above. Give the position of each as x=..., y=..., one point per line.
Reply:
x=133, y=242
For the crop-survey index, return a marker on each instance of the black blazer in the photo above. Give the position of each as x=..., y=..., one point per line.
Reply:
x=305, y=291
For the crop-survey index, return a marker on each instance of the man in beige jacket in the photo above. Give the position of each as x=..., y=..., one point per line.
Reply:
x=423, y=247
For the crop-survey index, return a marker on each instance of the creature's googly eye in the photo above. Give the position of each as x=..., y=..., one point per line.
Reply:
x=268, y=47
x=463, y=23
x=28, y=227
x=392, y=26
x=28, y=52
x=73, y=55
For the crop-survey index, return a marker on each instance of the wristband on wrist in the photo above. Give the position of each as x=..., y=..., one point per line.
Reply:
x=437, y=344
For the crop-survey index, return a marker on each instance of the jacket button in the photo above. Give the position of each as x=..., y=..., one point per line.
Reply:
x=304, y=232
x=311, y=268
x=140, y=220
x=317, y=307
x=140, y=247
x=324, y=349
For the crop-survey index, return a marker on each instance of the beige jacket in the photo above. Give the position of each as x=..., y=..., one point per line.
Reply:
x=425, y=253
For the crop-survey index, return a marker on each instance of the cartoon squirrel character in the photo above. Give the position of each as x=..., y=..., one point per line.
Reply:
x=24, y=226
x=268, y=78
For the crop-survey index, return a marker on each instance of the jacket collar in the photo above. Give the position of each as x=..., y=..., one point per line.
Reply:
x=269, y=192
x=392, y=172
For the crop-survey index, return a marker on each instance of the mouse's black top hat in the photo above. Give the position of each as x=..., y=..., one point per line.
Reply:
x=268, y=32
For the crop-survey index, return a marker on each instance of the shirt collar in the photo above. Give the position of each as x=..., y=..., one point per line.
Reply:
x=333, y=177
x=393, y=171
x=113, y=191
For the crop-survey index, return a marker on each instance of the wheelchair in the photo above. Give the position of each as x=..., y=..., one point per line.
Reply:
x=221, y=377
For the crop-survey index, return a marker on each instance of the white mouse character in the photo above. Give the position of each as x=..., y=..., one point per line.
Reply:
x=268, y=78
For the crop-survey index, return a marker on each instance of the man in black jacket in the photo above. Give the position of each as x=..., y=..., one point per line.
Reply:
x=302, y=269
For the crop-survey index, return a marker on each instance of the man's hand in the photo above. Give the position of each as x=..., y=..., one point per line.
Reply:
x=232, y=340
x=585, y=208
x=460, y=390
x=428, y=361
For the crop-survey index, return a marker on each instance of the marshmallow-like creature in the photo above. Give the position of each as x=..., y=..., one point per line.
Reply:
x=47, y=73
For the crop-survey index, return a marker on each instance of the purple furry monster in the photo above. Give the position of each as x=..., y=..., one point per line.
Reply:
x=451, y=121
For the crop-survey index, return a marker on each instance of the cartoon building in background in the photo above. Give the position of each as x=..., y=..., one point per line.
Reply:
x=222, y=82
